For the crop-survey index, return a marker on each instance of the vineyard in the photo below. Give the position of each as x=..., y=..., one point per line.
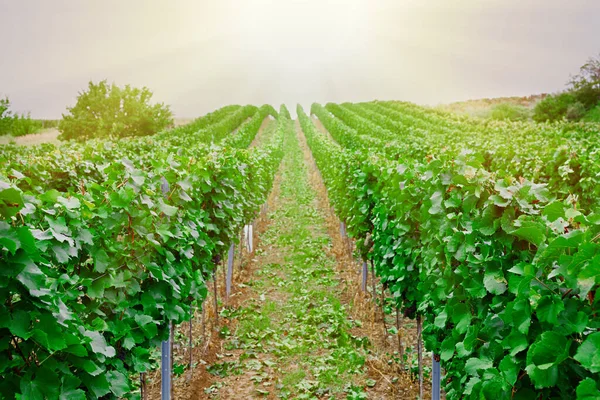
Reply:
x=470, y=243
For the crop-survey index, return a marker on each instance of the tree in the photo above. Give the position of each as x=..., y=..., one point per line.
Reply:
x=586, y=84
x=589, y=75
x=15, y=124
x=110, y=111
x=553, y=107
x=5, y=116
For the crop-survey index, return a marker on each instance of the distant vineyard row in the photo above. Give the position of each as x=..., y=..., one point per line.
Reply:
x=488, y=231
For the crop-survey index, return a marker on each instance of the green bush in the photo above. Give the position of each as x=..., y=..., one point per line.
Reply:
x=510, y=112
x=49, y=123
x=586, y=84
x=23, y=125
x=593, y=115
x=6, y=117
x=588, y=96
x=575, y=111
x=110, y=111
x=16, y=125
x=553, y=107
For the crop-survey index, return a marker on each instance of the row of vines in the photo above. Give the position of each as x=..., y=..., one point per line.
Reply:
x=104, y=244
x=489, y=232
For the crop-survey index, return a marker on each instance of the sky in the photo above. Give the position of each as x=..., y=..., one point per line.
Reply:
x=199, y=55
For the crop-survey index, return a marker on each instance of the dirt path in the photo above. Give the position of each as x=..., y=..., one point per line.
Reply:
x=298, y=324
x=291, y=337
x=267, y=127
x=51, y=135
x=319, y=125
x=45, y=136
x=391, y=361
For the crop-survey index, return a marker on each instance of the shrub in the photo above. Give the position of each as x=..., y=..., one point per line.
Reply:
x=510, y=112
x=24, y=125
x=553, y=107
x=110, y=111
x=5, y=116
x=588, y=96
x=16, y=125
x=575, y=111
x=593, y=115
x=586, y=84
x=48, y=123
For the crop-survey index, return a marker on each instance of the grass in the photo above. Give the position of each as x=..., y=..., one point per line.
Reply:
x=295, y=317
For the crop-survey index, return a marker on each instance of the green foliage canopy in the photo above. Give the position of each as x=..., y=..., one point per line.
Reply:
x=105, y=110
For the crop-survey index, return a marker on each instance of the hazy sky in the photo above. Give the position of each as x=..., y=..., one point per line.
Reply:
x=200, y=55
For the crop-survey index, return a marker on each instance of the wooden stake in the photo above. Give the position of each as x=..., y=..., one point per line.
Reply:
x=400, y=345
x=203, y=323
x=374, y=289
x=385, y=331
x=143, y=386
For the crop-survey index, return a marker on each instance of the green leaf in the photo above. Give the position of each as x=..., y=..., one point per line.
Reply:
x=118, y=383
x=489, y=222
x=72, y=394
x=32, y=389
x=590, y=271
x=448, y=346
x=9, y=238
x=588, y=354
x=48, y=378
x=101, y=260
x=461, y=316
x=50, y=196
x=167, y=209
x=11, y=202
x=77, y=350
x=532, y=232
x=98, y=385
x=509, y=369
x=554, y=211
x=577, y=322
x=70, y=203
x=474, y=365
x=34, y=279
x=588, y=390
x=85, y=236
x=440, y=319
x=495, y=282
x=91, y=368
x=520, y=312
x=122, y=198
x=515, y=342
x=549, y=307
x=61, y=254
x=70, y=389
x=99, y=344
x=436, y=203
x=20, y=324
x=143, y=320
x=49, y=333
x=543, y=357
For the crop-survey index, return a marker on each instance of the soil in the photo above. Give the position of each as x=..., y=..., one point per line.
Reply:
x=46, y=136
